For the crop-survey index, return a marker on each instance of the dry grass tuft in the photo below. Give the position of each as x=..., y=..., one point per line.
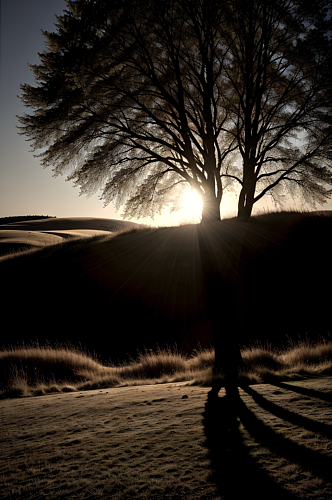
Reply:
x=36, y=370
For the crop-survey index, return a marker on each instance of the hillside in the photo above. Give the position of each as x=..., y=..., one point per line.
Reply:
x=32, y=233
x=70, y=223
x=136, y=290
x=22, y=218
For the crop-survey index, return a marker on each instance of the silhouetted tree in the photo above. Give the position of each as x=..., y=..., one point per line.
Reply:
x=130, y=97
x=139, y=97
x=280, y=73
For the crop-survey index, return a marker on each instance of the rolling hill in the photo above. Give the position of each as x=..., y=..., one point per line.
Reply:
x=23, y=234
x=118, y=294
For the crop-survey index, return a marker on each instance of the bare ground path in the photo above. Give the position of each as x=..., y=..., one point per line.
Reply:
x=169, y=442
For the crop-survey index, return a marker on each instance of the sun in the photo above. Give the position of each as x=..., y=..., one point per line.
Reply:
x=192, y=205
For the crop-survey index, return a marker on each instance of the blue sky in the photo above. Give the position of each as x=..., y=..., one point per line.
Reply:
x=25, y=187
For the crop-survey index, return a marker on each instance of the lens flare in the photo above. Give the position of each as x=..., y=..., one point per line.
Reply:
x=192, y=205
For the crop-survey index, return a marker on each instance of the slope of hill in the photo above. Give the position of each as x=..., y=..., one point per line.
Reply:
x=71, y=223
x=136, y=290
x=22, y=218
x=18, y=235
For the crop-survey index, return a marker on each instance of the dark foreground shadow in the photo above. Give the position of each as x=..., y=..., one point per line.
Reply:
x=310, y=460
x=235, y=472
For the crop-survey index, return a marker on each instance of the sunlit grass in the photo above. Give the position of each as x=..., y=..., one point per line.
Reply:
x=302, y=359
x=37, y=370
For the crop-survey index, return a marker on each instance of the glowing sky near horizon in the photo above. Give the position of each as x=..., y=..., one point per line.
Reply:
x=25, y=187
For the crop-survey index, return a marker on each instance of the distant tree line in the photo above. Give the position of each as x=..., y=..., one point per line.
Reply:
x=21, y=218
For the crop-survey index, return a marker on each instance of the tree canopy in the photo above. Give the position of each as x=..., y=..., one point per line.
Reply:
x=280, y=77
x=140, y=98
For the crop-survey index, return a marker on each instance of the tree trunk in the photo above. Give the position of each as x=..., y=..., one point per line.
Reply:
x=211, y=208
x=247, y=195
x=221, y=308
x=246, y=203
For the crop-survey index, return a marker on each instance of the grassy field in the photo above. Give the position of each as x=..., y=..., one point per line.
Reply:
x=170, y=441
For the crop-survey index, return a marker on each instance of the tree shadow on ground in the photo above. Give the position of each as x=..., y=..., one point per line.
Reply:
x=289, y=416
x=235, y=471
x=324, y=396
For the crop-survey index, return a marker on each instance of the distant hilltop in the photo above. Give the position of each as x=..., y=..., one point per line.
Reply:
x=22, y=218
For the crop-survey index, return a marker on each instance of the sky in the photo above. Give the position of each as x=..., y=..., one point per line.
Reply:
x=25, y=187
